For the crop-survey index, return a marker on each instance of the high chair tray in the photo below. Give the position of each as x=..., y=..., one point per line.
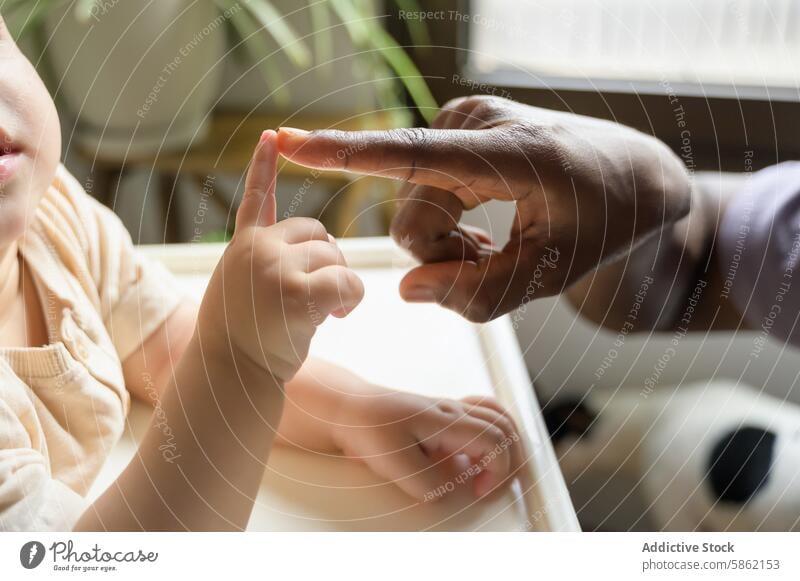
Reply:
x=422, y=348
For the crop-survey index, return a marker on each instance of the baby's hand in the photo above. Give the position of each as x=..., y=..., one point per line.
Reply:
x=413, y=441
x=276, y=282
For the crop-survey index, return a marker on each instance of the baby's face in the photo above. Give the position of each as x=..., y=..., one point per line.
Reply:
x=30, y=140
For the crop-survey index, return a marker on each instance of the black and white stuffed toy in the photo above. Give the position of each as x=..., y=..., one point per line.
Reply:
x=711, y=456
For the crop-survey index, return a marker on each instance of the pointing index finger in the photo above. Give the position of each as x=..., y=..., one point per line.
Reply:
x=450, y=159
x=258, y=204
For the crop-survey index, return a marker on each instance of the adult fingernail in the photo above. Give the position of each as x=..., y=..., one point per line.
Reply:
x=419, y=294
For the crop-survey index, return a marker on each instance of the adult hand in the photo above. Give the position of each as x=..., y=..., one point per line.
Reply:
x=585, y=190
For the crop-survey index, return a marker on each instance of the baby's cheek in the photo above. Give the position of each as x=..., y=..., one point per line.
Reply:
x=46, y=131
x=42, y=130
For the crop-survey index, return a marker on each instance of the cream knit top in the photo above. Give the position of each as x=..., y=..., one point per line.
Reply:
x=63, y=406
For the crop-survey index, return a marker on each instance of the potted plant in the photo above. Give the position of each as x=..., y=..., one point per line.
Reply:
x=140, y=77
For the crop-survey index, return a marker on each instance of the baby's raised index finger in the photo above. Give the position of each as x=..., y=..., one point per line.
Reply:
x=258, y=207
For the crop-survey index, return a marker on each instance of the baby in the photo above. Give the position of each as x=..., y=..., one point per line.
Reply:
x=86, y=323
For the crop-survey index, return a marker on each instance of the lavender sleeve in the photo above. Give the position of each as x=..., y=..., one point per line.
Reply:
x=759, y=243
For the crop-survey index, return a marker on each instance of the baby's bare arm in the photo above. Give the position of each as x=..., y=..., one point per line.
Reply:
x=313, y=396
x=223, y=402
x=219, y=423
x=149, y=370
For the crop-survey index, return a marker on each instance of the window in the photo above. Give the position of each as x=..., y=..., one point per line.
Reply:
x=748, y=49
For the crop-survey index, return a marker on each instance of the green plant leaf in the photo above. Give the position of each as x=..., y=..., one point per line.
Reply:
x=354, y=21
x=406, y=70
x=416, y=27
x=252, y=38
x=276, y=24
x=320, y=24
x=26, y=17
x=369, y=31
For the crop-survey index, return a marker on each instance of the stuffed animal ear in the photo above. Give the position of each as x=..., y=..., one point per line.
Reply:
x=740, y=464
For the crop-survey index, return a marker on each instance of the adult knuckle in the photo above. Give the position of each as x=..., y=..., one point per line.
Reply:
x=483, y=305
x=455, y=102
x=351, y=144
x=539, y=138
x=473, y=101
x=484, y=110
x=477, y=312
x=415, y=138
